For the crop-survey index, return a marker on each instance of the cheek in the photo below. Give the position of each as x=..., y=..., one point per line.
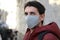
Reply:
x=39, y=16
x=40, y=19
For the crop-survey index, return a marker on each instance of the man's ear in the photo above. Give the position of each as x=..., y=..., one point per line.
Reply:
x=42, y=16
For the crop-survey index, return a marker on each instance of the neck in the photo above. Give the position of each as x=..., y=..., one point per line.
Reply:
x=40, y=24
x=31, y=30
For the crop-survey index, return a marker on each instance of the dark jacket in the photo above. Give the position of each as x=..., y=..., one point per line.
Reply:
x=51, y=27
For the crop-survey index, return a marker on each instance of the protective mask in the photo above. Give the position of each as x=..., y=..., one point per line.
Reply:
x=32, y=21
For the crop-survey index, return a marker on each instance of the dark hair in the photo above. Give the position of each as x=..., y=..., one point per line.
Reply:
x=37, y=5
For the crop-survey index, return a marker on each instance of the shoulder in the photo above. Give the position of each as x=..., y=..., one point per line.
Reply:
x=50, y=36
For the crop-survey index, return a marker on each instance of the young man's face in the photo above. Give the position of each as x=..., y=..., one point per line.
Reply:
x=30, y=10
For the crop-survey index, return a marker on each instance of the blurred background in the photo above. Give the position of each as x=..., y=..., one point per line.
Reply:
x=12, y=14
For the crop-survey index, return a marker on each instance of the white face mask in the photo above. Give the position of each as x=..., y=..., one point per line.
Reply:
x=32, y=20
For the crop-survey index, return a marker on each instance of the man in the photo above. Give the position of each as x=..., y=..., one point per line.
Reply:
x=35, y=13
x=3, y=25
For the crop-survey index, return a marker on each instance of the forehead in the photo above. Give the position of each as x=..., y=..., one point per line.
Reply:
x=31, y=9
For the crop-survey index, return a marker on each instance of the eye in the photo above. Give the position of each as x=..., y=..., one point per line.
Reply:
x=26, y=13
x=32, y=13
